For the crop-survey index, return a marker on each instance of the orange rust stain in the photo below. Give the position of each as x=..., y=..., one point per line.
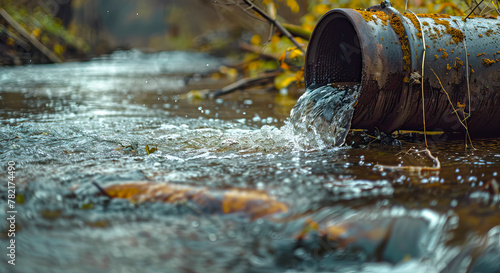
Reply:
x=458, y=63
x=488, y=62
x=486, y=16
x=444, y=55
x=456, y=34
x=374, y=15
x=448, y=67
x=472, y=70
x=433, y=16
x=436, y=56
x=398, y=27
x=481, y=54
x=415, y=23
x=406, y=79
x=480, y=35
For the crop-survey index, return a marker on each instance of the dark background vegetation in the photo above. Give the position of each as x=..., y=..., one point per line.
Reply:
x=82, y=29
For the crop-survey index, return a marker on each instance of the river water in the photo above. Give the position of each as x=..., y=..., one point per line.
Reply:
x=70, y=125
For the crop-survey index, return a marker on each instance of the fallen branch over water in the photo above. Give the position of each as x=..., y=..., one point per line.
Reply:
x=31, y=39
x=245, y=83
x=266, y=16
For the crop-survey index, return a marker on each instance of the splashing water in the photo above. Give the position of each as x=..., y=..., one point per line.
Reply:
x=72, y=124
x=322, y=116
x=320, y=119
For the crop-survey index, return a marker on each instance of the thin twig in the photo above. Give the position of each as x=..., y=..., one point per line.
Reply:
x=451, y=5
x=103, y=191
x=453, y=107
x=473, y=9
x=416, y=168
x=274, y=22
x=468, y=92
x=449, y=99
x=422, y=81
x=246, y=83
x=467, y=75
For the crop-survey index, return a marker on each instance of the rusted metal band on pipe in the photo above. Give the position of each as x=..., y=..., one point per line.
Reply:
x=383, y=50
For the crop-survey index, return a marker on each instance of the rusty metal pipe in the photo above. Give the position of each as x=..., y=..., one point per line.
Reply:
x=383, y=51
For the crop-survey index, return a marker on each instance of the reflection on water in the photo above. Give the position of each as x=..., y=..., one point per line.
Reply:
x=69, y=125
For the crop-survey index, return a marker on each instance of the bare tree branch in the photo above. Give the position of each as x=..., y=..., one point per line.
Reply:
x=268, y=18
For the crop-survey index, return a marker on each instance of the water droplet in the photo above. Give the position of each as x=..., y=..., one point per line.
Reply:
x=300, y=252
x=212, y=237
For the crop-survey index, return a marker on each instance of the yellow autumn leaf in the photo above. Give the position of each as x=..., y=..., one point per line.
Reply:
x=197, y=94
x=284, y=80
x=229, y=72
x=151, y=150
x=255, y=39
x=271, y=9
x=36, y=32
x=282, y=62
x=58, y=49
x=320, y=9
x=299, y=77
x=295, y=52
x=285, y=100
x=292, y=58
x=292, y=4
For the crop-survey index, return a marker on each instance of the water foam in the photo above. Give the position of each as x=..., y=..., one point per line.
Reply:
x=322, y=115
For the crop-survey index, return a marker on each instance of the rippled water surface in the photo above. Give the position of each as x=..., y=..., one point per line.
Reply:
x=71, y=125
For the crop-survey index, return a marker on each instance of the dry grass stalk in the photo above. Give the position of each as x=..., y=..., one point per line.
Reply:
x=437, y=166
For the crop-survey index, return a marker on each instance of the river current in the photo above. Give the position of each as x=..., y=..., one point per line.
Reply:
x=71, y=125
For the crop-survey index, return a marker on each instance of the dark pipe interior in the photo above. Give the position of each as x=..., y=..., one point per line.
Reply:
x=335, y=54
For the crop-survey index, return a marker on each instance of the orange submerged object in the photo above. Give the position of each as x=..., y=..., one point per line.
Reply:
x=254, y=203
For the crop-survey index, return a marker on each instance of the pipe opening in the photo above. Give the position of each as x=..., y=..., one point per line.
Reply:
x=334, y=53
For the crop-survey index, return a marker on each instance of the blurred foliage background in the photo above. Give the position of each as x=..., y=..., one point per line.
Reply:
x=82, y=29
